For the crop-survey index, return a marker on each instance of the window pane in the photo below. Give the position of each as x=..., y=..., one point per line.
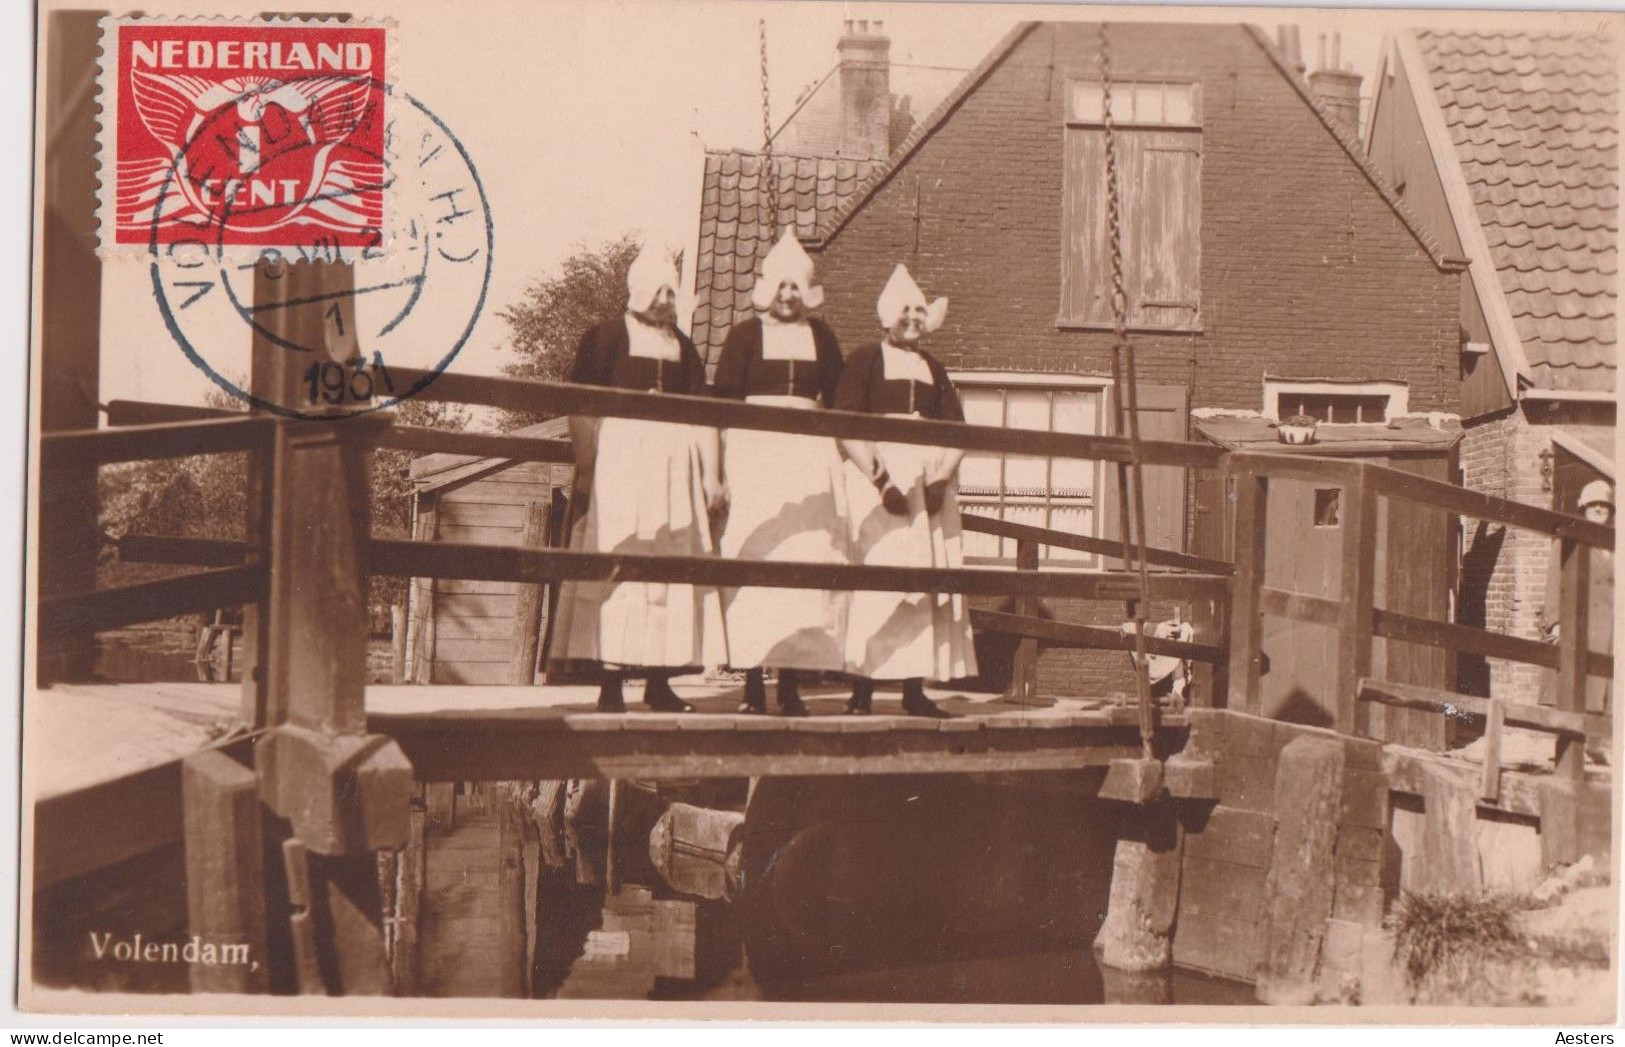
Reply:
x=979, y=472
x=1073, y=519
x=977, y=544
x=1179, y=103
x=1026, y=409
x=1086, y=103
x=1075, y=413
x=1147, y=103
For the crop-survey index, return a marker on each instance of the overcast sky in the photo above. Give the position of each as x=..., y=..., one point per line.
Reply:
x=587, y=119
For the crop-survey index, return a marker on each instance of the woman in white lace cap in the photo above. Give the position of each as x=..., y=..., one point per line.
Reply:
x=650, y=488
x=904, y=509
x=787, y=492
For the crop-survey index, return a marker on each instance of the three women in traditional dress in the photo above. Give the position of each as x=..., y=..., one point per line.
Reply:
x=649, y=488
x=657, y=488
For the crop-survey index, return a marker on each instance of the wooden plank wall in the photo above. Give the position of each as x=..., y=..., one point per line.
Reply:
x=473, y=621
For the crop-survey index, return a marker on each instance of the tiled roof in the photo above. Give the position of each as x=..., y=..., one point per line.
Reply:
x=734, y=230
x=1533, y=118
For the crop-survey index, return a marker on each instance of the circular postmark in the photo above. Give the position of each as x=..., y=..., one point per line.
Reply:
x=280, y=182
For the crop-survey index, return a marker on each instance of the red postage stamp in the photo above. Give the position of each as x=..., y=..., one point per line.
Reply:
x=244, y=135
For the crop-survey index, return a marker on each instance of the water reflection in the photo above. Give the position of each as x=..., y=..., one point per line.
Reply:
x=880, y=889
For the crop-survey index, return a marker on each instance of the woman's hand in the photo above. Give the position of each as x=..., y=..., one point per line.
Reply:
x=936, y=492
x=716, y=496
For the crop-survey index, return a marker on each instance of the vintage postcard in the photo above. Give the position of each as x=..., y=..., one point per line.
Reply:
x=911, y=511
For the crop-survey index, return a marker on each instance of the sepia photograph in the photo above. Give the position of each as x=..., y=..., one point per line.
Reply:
x=821, y=511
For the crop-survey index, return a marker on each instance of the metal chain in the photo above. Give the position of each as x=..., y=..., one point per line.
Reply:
x=1125, y=403
x=770, y=170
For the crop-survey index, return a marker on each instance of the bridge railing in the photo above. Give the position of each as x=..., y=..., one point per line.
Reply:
x=1358, y=620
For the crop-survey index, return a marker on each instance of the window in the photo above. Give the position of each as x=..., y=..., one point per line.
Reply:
x=1159, y=155
x=1057, y=493
x=1337, y=403
x=1328, y=507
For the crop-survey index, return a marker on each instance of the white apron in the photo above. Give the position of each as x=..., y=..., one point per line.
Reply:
x=646, y=498
x=787, y=502
x=899, y=636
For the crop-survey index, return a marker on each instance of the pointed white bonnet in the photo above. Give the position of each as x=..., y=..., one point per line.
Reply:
x=788, y=260
x=902, y=292
x=651, y=270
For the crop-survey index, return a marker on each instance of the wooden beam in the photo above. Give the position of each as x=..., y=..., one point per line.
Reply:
x=1356, y=598
x=511, y=563
x=1528, y=717
x=1024, y=673
x=141, y=412
x=519, y=394
x=225, y=871
x=1574, y=630
x=1246, y=592
x=1089, y=637
x=529, y=600
x=190, y=552
x=1084, y=543
x=1304, y=468
x=1472, y=640
x=1300, y=607
x=1413, y=487
x=505, y=748
x=87, y=447
x=149, y=601
x=480, y=445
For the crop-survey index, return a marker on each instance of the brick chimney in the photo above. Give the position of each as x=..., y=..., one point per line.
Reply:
x=1336, y=88
x=865, y=80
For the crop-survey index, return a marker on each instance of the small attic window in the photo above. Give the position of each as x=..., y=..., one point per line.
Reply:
x=1159, y=104
x=1336, y=403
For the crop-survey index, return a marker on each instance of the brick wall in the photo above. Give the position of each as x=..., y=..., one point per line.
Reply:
x=1505, y=570
x=1305, y=271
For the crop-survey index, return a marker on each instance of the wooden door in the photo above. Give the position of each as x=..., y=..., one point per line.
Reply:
x=1304, y=555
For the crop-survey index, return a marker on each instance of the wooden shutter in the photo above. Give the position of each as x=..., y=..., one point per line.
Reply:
x=1164, y=415
x=1162, y=226
x=1159, y=174
x=1086, y=274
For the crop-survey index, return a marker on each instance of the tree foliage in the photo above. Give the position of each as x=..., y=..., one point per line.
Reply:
x=549, y=320
x=206, y=496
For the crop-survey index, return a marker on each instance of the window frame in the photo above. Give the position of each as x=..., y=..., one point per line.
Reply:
x=1398, y=393
x=1065, y=320
x=1004, y=381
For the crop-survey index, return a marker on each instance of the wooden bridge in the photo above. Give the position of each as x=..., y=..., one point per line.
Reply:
x=324, y=766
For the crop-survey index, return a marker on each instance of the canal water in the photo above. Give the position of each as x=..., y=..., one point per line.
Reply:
x=930, y=889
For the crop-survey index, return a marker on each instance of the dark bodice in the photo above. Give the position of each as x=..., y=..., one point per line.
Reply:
x=604, y=358
x=742, y=371
x=865, y=387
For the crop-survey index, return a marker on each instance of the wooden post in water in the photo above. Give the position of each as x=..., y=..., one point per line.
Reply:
x=1137, y=934
x=225, y=872
x=1356, y=613
x=1246, y=594
x=529, y=601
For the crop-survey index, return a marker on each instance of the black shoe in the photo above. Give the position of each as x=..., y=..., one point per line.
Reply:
x=790, y=703
x=610, y=699
x=863, y=699
x=660, y=698
x=755, y=703
x=915, y=703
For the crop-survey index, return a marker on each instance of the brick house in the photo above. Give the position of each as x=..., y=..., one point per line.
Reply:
x=1289, y=274
x=1504, y=146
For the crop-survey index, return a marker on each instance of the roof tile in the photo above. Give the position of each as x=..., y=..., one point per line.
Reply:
x=1534, y=120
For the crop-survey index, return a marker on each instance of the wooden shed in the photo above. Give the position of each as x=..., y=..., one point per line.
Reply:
x=1416, y=565
x=467, y=631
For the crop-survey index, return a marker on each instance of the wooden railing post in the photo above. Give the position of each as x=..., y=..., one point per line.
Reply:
x=345, y=793
x=1574, y=630
x=1357, y=594
x=1246, y=593
x=1024, y=671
